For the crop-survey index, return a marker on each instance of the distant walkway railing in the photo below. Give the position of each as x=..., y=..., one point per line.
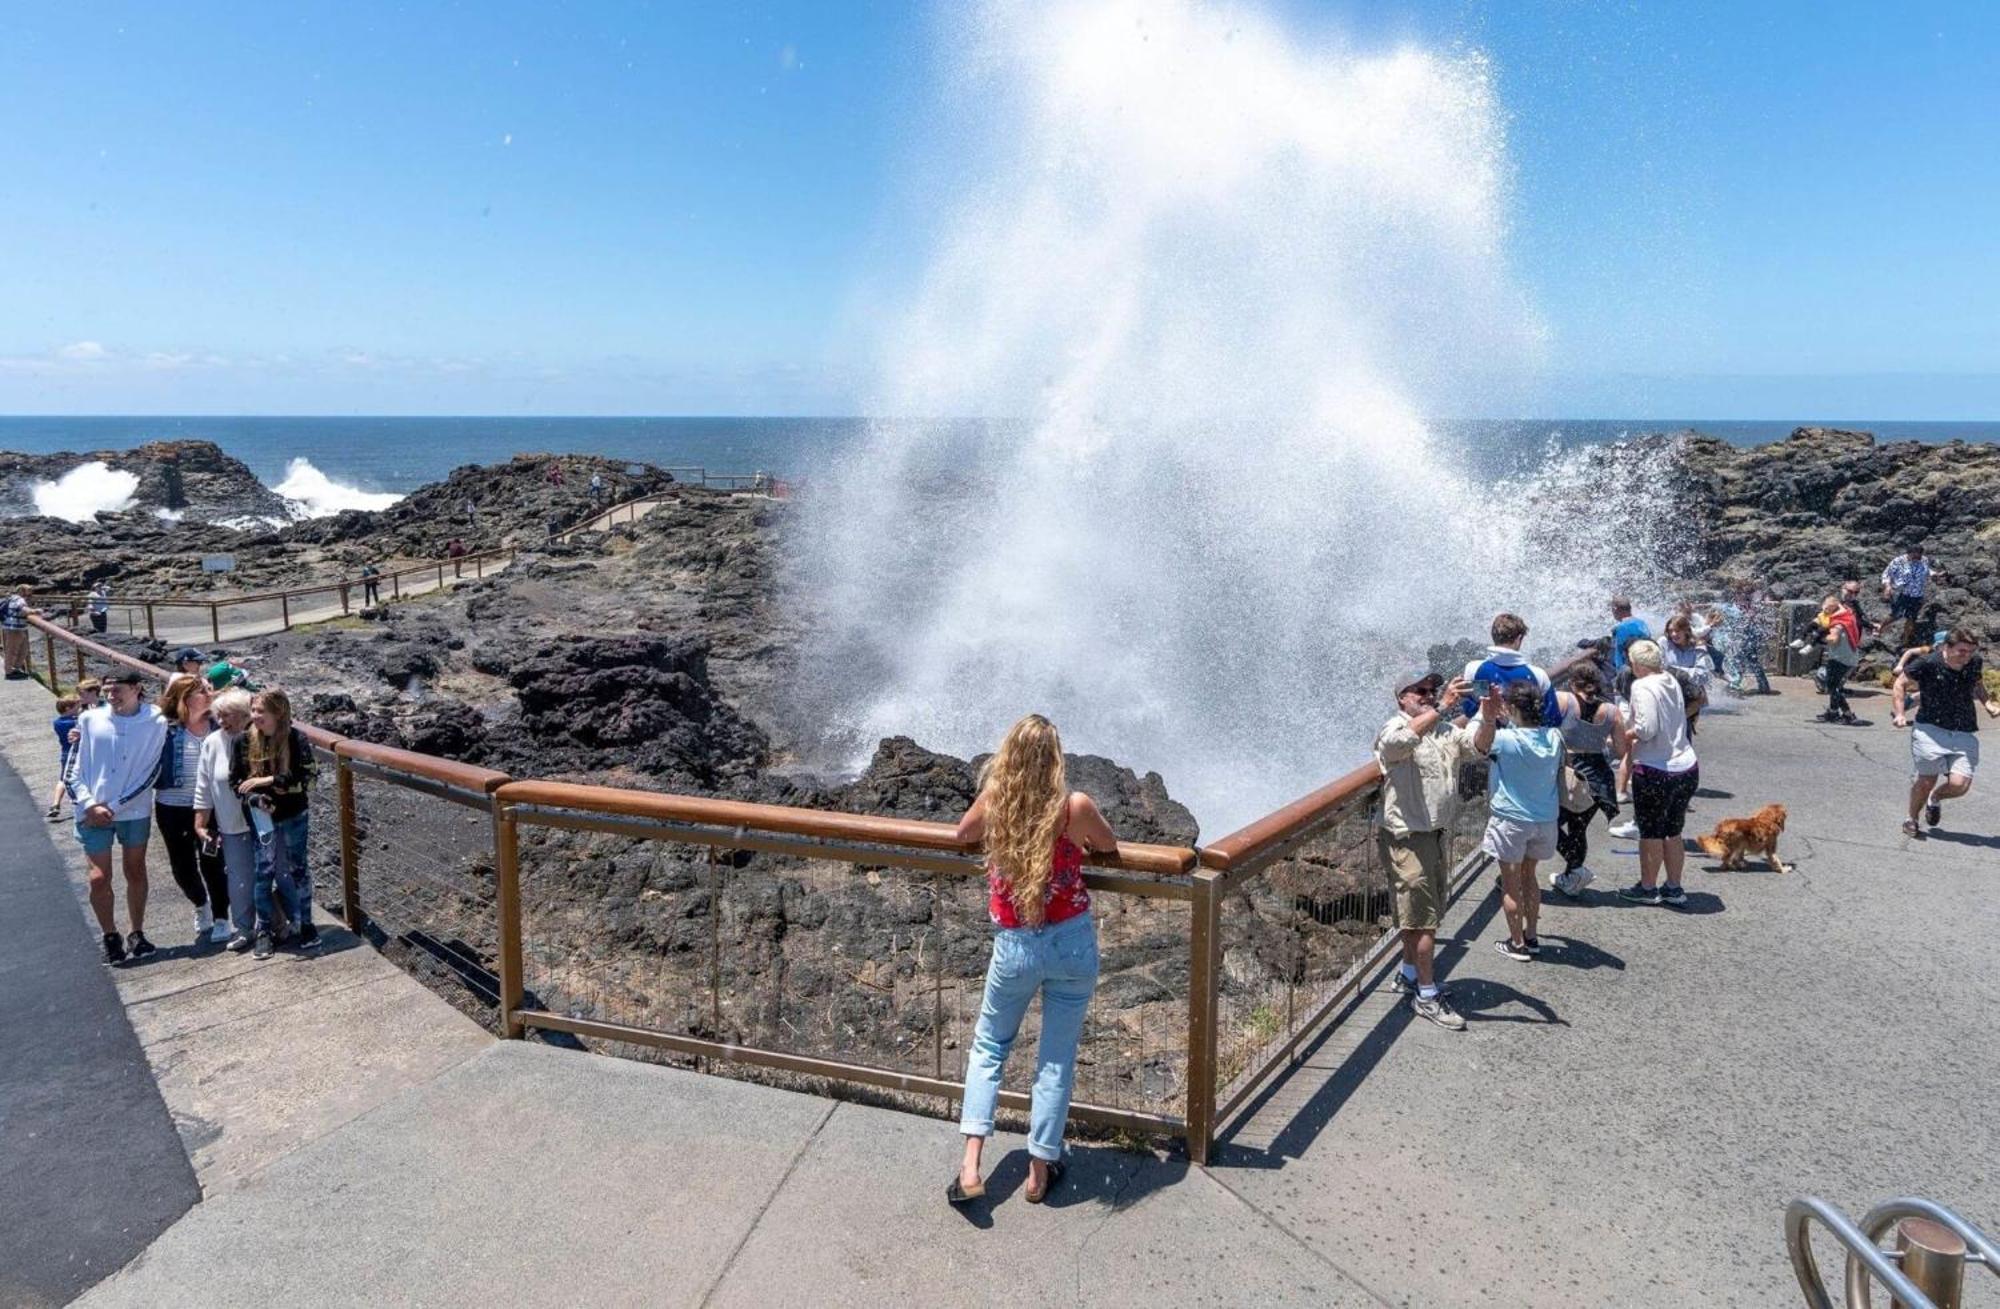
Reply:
x=854, y=951
x=631, y=511
x=278, y=610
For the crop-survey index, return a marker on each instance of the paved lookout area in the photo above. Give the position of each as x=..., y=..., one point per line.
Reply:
x=1622, y=1123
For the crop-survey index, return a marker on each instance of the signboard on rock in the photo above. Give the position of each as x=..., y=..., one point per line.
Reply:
x=218, y=563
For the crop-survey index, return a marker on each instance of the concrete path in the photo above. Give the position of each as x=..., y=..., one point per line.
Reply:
x=191, y=625
x=1622, y=1124
x=252, y=1058
x=90, y=1167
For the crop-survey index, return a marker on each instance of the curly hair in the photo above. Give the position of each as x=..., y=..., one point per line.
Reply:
x=1027, y=790
x=173, y=700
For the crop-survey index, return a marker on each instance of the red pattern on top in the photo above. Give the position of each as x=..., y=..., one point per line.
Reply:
x=1067, y=896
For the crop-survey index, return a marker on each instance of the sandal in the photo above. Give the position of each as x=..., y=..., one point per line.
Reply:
x=1056, y=1171
x=958, y=1194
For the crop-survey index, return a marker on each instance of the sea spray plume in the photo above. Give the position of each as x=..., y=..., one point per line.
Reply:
x=318, y=495
x=1200, y=281
x=85, y=491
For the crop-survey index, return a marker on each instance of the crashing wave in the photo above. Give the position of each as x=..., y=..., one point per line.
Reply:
x=315, y=495
x=86, y=491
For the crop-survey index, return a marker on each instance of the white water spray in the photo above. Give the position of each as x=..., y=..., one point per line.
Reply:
x=85, y=491
x=1206, y=278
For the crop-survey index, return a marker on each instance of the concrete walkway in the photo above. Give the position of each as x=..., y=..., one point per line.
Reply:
x=1622, y=1124
x=190, y=625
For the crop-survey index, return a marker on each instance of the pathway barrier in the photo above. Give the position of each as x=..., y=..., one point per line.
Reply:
x=203, y=616
x=631, y=511
x=853, y=951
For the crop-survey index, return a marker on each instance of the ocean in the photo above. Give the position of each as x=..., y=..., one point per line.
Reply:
x=337, y=463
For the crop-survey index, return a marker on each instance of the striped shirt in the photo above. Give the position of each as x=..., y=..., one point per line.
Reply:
x=186, y=769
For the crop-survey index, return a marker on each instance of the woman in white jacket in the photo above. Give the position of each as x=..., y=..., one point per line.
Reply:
x=218, y=814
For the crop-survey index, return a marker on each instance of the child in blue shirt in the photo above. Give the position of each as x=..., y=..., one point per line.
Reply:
x=65, y=725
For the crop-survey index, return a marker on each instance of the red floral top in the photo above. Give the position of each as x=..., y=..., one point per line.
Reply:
x=1067, y=895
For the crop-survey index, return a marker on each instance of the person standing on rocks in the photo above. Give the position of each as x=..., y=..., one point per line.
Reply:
x=1665, y=774
x=1419, y=752
x=14, y=612
x=117, y=758
x=1944, y=743
x=596, y=489
x=100, y=607
x=1905, y=584
x=1036, y=832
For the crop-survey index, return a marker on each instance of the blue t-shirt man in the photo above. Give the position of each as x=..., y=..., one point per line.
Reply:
x=1526, y=761
x=1625, y=633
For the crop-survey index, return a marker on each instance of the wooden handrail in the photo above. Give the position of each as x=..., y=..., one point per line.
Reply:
x=252, y=597
x=1157, y=860
x=466, y=777
x=103, y=652
x=1245, y=843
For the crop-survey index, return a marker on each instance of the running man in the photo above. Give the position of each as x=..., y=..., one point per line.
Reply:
x=1944, y=744
x=117, y=755
x=1905, y=583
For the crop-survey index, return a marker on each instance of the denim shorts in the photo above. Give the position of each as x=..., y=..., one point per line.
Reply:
x=129, y=832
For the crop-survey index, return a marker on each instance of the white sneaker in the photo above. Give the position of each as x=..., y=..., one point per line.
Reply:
x=204, y=921
x=1581, y=878
x=1626, y=829
x=221, y=932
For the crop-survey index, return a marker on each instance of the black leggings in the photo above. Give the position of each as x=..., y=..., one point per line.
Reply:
x=1573, y=829
x=200, y=876
x=1836, y=684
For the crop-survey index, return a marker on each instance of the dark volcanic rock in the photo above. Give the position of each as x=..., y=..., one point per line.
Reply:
x=589, y=704
x=192, y=478
x=1825, y=505
x=908, y=781
x=515, y=500
x=448, y=729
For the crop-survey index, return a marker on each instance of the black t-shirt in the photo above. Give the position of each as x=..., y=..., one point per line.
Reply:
x=1947, y=692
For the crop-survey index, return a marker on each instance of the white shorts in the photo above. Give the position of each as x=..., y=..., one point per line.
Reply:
x=1936, y=751
x=1511, y=841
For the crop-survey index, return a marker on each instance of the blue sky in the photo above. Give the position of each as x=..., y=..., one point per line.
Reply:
x=1719, y=210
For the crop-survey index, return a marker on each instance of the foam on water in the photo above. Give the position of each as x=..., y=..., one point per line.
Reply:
x=318, y=496
x=1212, y=274
x=85, y=491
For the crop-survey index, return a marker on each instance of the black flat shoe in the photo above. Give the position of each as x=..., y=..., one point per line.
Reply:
x=956, y=1194
x=1056, y=1171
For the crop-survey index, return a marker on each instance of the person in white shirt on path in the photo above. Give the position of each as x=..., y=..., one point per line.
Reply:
x=117, y=756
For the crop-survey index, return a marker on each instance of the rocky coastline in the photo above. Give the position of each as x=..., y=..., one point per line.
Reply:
x=659, y=655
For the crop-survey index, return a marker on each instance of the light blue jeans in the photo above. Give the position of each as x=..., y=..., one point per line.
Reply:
x=1061, y=963
x=239, y=861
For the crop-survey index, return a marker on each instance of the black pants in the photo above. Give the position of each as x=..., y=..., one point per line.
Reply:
x=370, y=595
x=200, y=876
x=98, y=622
x=1836, y=683
x=1573, y=829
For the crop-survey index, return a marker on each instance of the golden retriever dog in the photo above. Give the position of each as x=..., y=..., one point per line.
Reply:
x=1735, y=837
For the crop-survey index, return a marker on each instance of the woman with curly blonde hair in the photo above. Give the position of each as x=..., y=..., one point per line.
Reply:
x=1036, y=832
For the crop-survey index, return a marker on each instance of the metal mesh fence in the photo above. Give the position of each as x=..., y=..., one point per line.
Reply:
x=426, y=886
x=1294, y=933
x=881, y=967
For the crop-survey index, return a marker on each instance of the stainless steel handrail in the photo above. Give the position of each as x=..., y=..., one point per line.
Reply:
x=1875, y=1224
x=1798, y=1224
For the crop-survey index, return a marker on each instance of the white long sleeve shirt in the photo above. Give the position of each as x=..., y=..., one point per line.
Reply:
x=211, y=785
x=117, y=757
x=1659, y=719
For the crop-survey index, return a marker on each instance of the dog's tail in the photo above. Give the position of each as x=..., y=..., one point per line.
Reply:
x=1709, y=845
